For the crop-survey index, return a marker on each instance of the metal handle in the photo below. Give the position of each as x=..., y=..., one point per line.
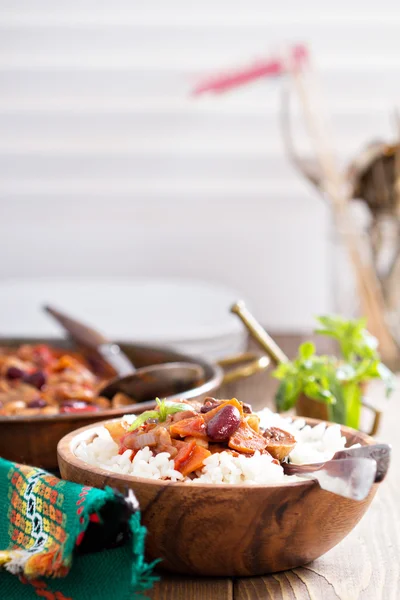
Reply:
x=377, y=418
x=95, y=341
x=118, y=360
x=381, y=454
x=259, y=333
x=255, y=364
x=79, y=332
x=348, y=477
x=278, y=356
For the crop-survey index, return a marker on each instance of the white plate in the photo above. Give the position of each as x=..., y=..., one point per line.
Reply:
x=163, y=311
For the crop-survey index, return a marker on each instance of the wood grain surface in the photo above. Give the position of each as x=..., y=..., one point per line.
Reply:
x=190, y=588
x=365, y=566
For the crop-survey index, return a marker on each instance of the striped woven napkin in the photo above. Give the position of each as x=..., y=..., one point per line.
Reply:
x=63, y=541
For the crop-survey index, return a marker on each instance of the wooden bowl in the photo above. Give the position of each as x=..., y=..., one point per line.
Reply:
x=229, y=530
x=33, y=440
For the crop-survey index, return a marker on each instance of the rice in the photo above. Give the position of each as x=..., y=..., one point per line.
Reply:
x=102, y=452
x=313, y=444
x=222, y=467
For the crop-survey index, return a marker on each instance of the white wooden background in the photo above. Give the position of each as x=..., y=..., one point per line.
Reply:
x=108, y=167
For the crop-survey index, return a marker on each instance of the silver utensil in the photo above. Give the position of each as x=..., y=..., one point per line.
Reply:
x=146, y=383
x=85, y=336
x=379, y=452
x=348, y=477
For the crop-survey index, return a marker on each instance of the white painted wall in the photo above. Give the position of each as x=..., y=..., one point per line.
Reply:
x=108, y=167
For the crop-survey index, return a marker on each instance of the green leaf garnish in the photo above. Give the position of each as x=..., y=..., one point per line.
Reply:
x=175, y=407
x=164, y=409
x=307, y=350
x=148, y=414
x=354, y=340
x=332, y=380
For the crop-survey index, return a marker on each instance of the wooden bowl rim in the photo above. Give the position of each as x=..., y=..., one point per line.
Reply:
x=65, y=452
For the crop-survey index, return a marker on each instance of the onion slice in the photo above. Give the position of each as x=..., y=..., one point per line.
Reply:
x=136, y=441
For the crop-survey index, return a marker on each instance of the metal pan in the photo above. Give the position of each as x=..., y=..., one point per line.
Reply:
x=33, y=439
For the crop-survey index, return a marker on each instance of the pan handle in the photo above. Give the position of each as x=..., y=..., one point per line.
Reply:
x=377, y=417
x=253, y=363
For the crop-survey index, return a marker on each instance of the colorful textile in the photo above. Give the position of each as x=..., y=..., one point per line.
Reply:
x=63, y=541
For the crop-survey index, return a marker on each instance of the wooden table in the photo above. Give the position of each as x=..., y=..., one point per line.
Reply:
x=365, y=566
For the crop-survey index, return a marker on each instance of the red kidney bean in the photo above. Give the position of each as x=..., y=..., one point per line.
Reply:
x=37, y=403
x=224, y=424
x=15, y=373
x=37, y=379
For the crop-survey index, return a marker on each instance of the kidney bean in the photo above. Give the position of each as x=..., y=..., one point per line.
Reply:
x=224, y=424
x=37, y=379
x=15, y=373
x=37, y=403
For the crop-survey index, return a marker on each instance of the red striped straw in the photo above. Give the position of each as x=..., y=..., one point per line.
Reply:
x=274, y=67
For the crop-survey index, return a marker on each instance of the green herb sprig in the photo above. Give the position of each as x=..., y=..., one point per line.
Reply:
x=335, y=381
x=164, y=409
x=354, y=340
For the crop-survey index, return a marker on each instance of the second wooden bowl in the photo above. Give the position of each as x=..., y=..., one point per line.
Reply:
x=229, y=530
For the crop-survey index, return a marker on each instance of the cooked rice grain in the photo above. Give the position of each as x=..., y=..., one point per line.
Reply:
x=314, y=444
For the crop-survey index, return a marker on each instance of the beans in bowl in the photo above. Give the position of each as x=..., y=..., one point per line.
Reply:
x=39, y=379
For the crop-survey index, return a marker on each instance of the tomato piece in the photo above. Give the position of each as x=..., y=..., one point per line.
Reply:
x=195, y=460
x=193, y=426
x=66, y=361
x=191, y=459
x=184, y=453
x=44, y=354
